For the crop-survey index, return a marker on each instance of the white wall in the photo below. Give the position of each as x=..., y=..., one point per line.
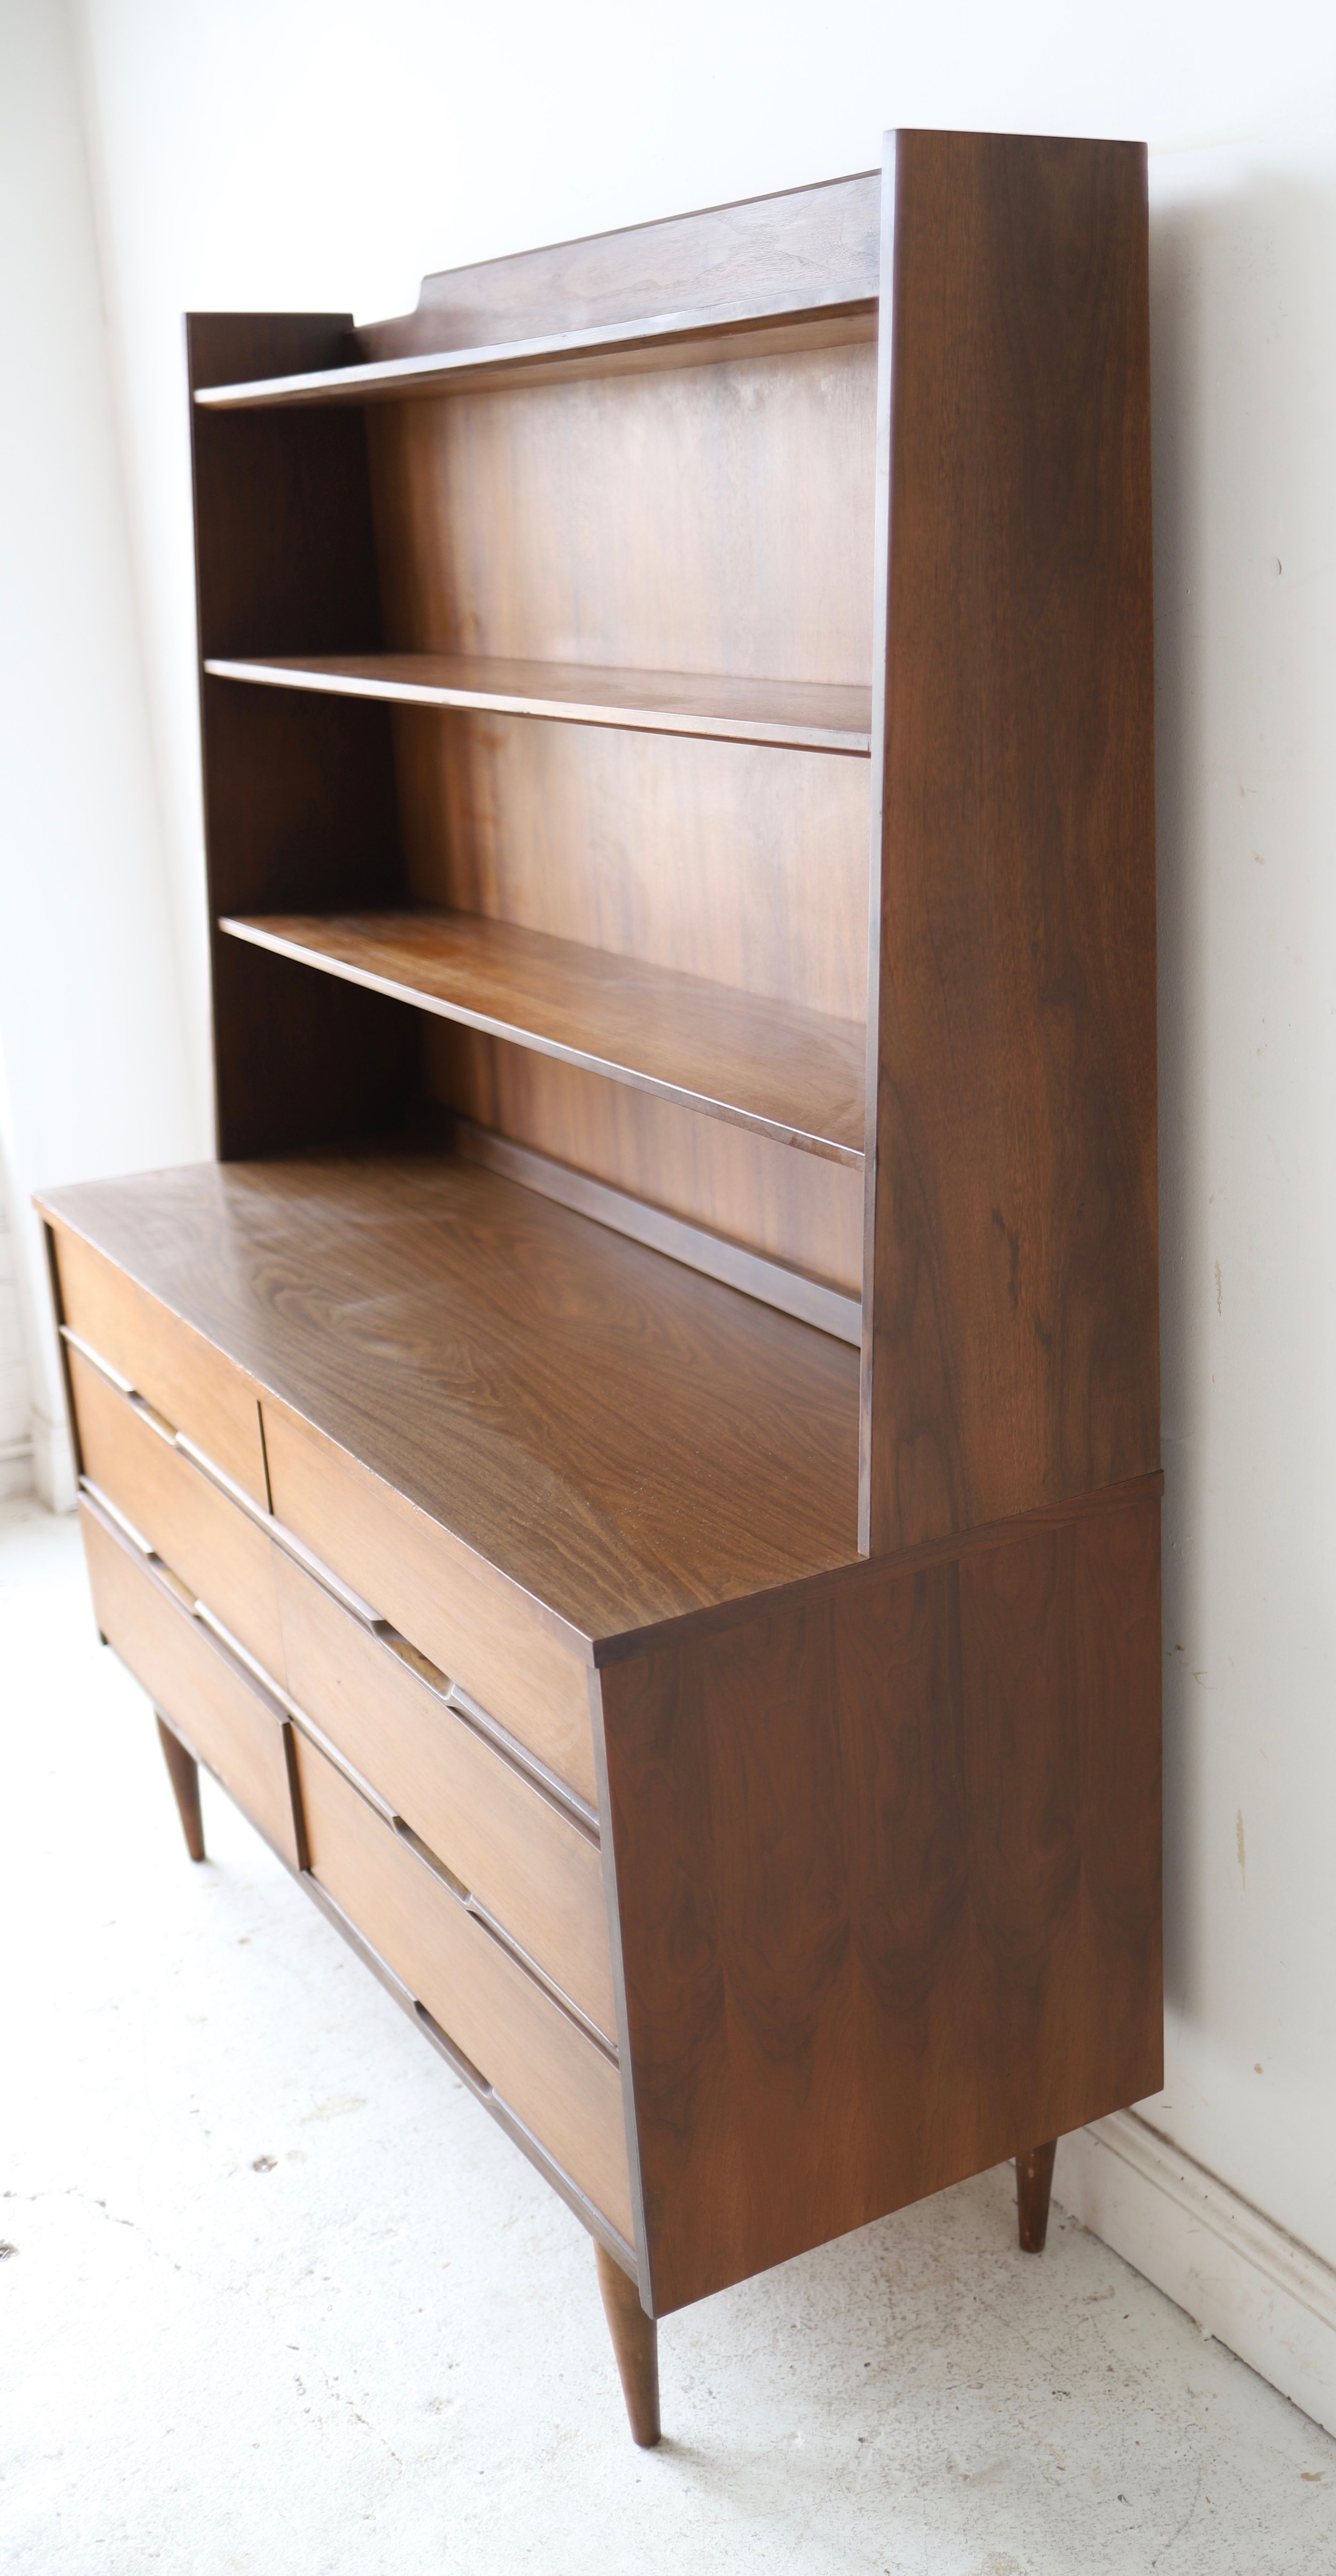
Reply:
x=284, y=153
x=16, y=1470
x=93, y=1070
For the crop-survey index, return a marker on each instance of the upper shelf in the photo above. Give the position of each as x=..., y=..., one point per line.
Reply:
x=744, y=327
x=786, y=1072
x=794, y=714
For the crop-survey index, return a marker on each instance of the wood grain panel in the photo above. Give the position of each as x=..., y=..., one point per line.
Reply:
x=744, y=865
x=788, y=714
x=621, y=1438
x=796, y=1208
x=564, y=2088
x=1011, y=1307
x=184, y=1375
x=480, y=1630
x=529, y=1864
x=218, y=1712
x=802, y=242
x=226, y=1559
x=792, y=1074
x=719, y=522
x=888, y=1877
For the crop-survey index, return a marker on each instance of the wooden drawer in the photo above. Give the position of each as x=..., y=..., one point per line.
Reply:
x=184, y=1377
x=530, y=1864
x=234, y=1728
x=466, y=1618
x=208, y=1541
x=559, y=2083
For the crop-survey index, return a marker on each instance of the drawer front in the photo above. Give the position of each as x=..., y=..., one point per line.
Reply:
x=207, y=1540
x=226, y=1722
x=529, y=1864
x=560, y=2084
x=204, y=1394
x=457, y=1610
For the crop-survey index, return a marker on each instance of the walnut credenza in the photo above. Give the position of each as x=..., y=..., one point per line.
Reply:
x=637, y=1466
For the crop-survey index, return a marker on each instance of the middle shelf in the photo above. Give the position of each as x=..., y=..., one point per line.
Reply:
x=786, y=1072
x=792, y=715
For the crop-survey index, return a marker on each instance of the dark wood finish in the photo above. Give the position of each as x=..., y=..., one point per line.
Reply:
x=635, y=2341
x=803, y=242
x=508, y=1368
x=1034, y=2184
x=224, y=1557
x=887, y=1871
x=209, y=1701
x=1010, y=1298
x=570, y=606
x=186, y=1378
x=299, y=792
x=806, y=250
x=790, y=715
x=791, y=1074
x=799, y=1210
x=562, y=2085
x=183, y=1772
x=677, y=342
x=577, y=2201
x=794, y=1292
x=524, y=1858
x=474, y=1625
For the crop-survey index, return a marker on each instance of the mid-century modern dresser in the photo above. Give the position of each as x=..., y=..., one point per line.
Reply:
x=637, y=1465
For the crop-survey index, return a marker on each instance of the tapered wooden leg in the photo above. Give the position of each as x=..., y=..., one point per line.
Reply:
x=635, y=2340
x=1034, y=2182
x=184, y=1773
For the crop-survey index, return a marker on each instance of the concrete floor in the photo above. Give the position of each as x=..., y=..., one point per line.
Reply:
x=281, y=2297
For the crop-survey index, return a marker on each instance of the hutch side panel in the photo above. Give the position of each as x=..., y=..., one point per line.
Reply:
x=1011, y=1321
x=888, y=1874
x=299, y=791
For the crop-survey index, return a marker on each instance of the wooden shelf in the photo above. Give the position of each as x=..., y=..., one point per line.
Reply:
x=764, y=327
x=627, y=1440
x=792, y=714
x=785, y=1072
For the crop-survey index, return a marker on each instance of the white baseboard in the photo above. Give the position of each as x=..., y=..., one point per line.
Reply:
x=1242, y=2278
x=53, y=1463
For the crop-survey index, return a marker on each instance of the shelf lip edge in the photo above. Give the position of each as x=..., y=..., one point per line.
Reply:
x=379, y=375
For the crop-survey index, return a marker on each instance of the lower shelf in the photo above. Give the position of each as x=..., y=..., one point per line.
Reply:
x=791, y=1074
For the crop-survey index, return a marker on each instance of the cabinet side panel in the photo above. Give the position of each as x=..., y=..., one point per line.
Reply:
x=300, y=807
x=1012, y=1351
x=887, y=1871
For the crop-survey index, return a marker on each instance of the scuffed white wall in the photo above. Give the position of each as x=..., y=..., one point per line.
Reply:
x=284, y=153
x=1245, y=402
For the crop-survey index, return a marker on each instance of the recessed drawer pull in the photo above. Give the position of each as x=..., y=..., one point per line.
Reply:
x=493, y=1733
x=95, y=1360
x=504, y=1940
x=122, y=1520
x=463, y=2066
x=434, y=1864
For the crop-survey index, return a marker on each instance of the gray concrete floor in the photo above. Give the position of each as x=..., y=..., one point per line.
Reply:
x=281, y=2297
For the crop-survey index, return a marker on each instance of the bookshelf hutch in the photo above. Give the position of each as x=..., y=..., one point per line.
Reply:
x=637, y=1465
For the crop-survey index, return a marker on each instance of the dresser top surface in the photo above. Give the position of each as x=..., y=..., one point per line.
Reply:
x=627, y=1440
